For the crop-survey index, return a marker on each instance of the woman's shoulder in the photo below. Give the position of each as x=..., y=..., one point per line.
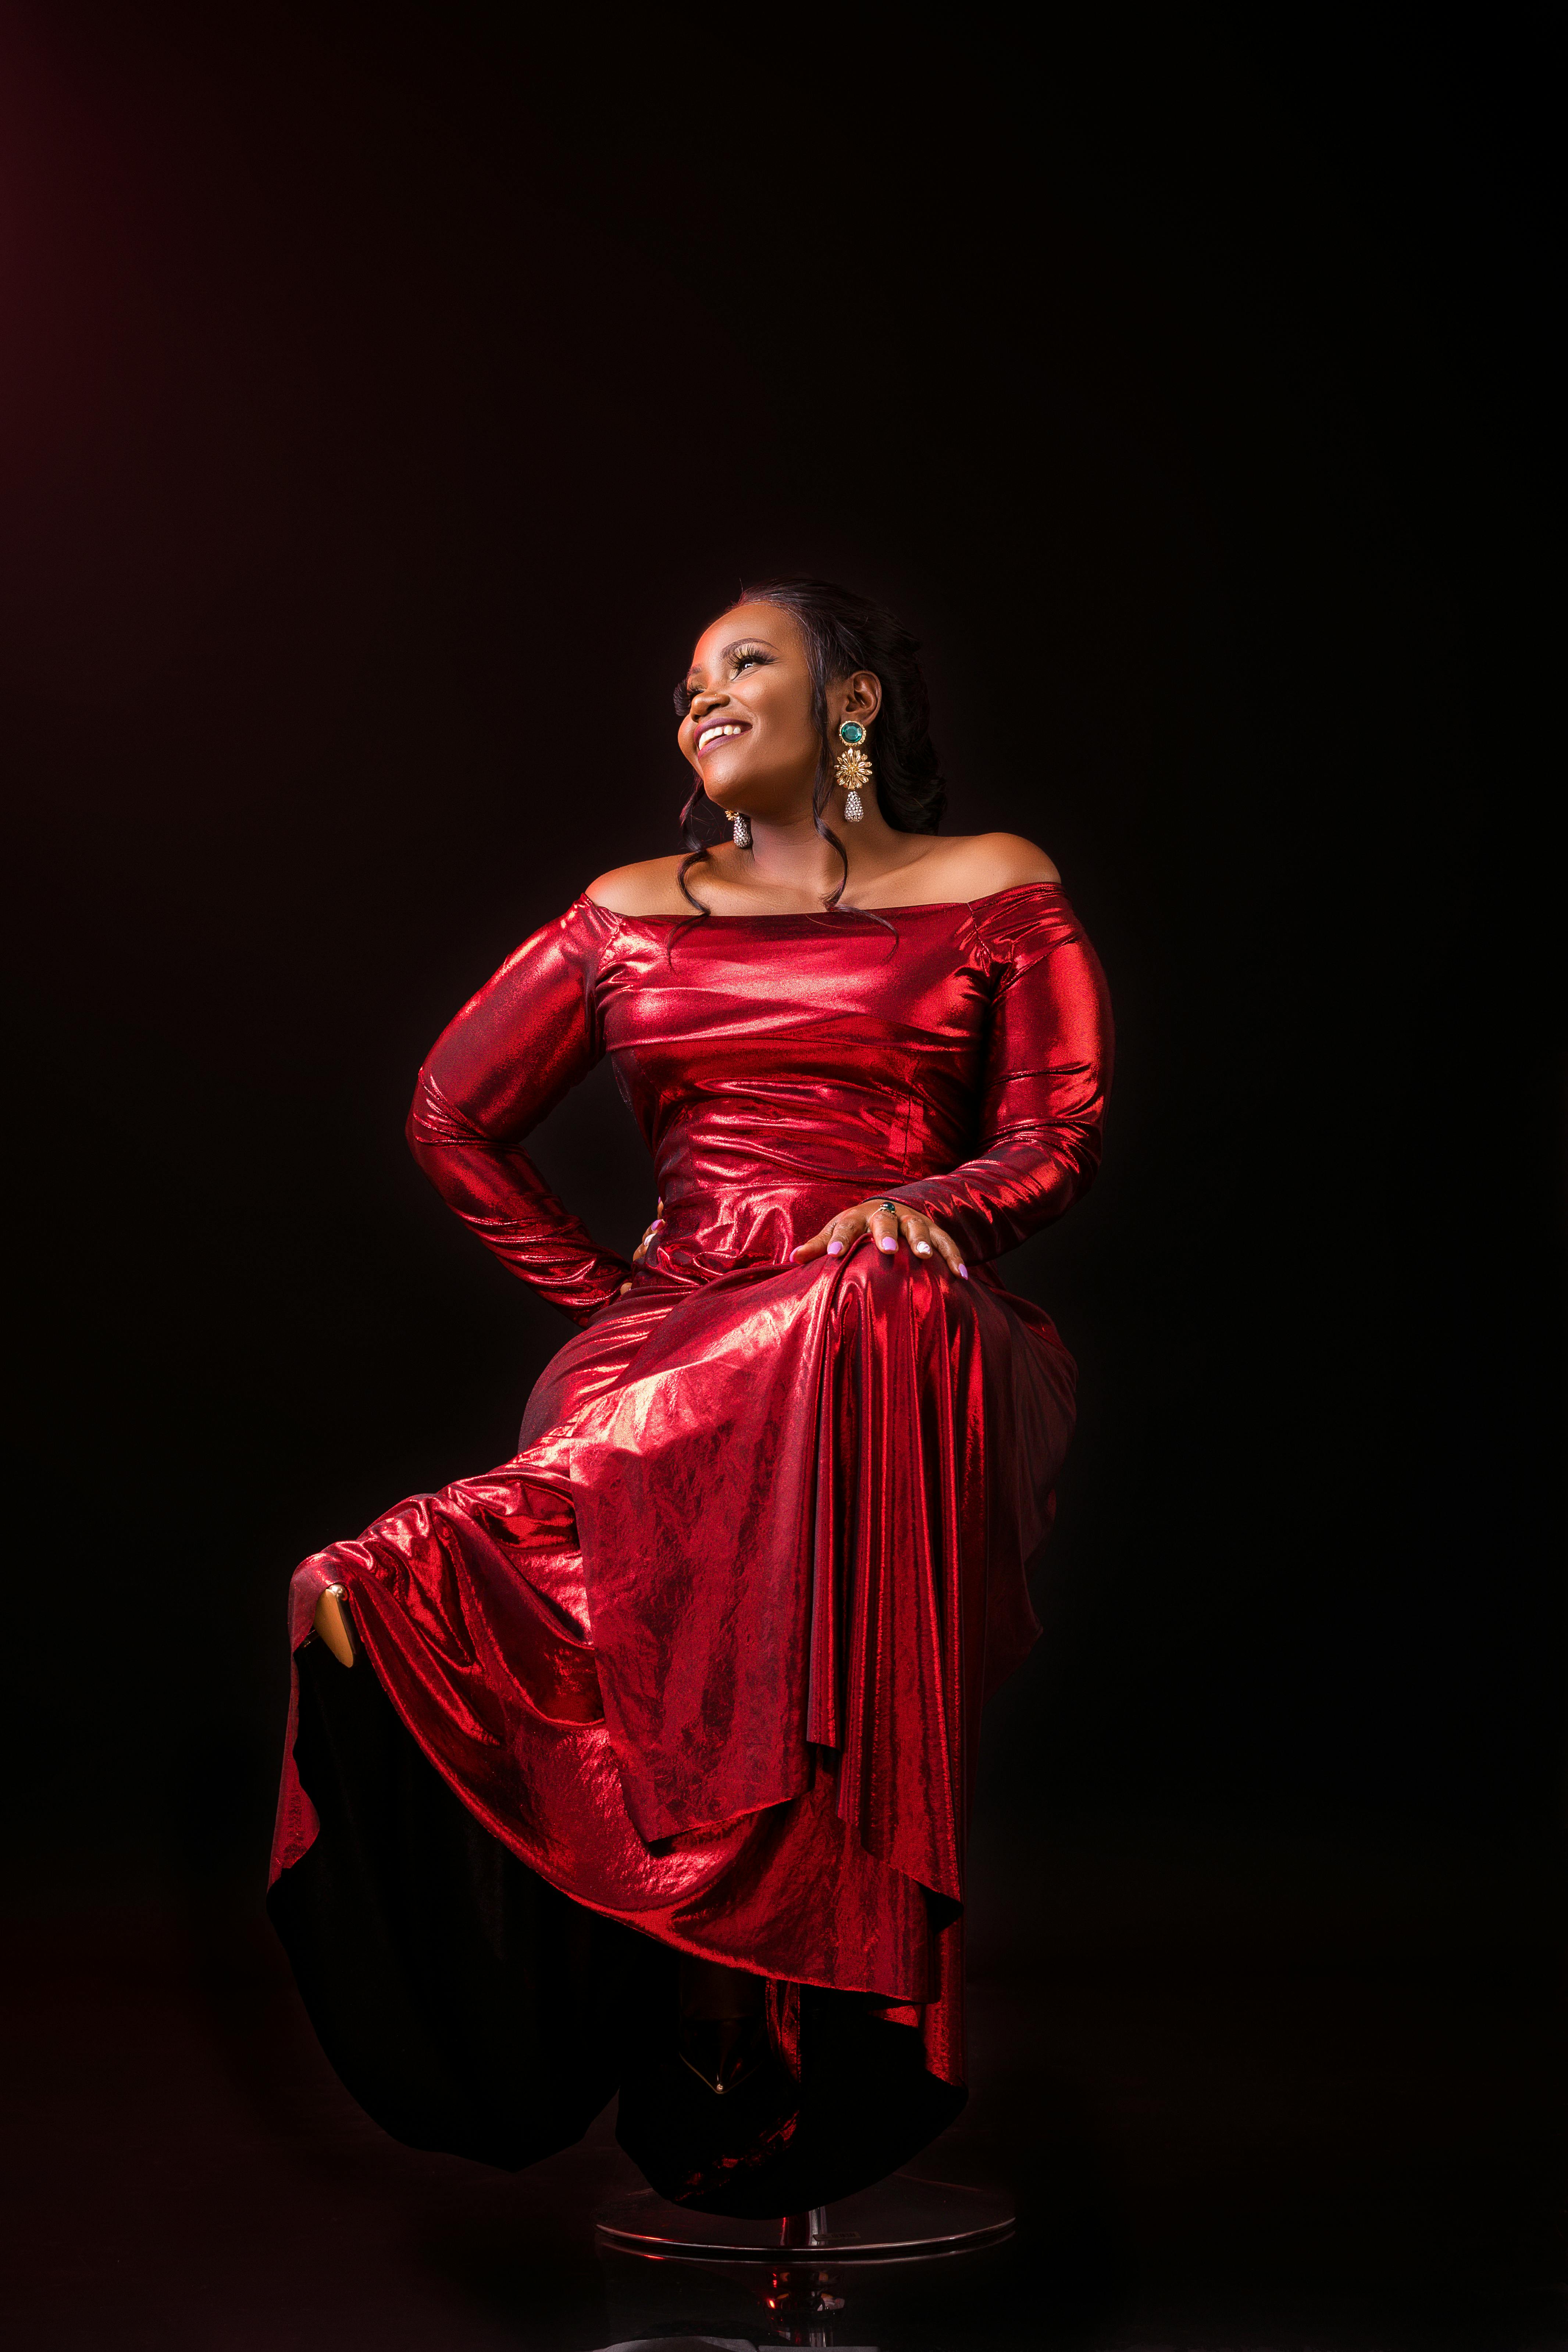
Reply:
x=977, y=865
x=955, y=866
x=651, y=887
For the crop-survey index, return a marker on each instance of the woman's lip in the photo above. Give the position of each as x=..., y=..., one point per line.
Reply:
x=720, y=731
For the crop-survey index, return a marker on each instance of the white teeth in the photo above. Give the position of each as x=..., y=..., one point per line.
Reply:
x=712, y=734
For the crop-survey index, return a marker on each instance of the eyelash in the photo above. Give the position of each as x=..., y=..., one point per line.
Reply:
x=743, y=655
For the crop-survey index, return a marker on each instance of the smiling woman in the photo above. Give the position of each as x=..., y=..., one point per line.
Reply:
x=653, y=1766
x=789, y=695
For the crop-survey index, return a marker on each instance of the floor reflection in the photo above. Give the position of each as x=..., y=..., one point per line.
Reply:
x=729, y=2343
x=1296, y=2158
x=807, y=2333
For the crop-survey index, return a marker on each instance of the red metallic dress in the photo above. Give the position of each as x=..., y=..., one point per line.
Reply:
x=705, y=1660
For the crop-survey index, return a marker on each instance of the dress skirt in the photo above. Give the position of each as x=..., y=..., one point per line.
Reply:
x=701, y=1669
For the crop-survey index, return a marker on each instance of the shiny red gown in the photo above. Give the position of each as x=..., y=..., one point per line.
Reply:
x=709, y=1653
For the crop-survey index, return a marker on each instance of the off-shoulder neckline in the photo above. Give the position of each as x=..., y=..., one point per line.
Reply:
x=817, y=914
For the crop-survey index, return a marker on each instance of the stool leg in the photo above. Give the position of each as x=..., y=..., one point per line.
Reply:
x=807, y=2229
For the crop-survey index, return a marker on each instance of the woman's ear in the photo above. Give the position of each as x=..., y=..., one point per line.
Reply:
x=858, y=696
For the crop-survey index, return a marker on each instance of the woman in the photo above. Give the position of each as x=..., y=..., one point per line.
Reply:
x=651, y=1767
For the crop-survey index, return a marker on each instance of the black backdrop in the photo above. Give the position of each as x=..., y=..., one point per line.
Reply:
x=388, y=404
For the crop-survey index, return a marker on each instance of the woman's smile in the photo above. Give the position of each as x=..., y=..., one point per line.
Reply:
x=718, y=729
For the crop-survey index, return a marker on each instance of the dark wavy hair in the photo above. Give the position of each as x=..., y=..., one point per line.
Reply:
x=845, y=633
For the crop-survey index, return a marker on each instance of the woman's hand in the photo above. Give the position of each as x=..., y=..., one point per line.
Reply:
x=332, y=1622
x=642, y=1248
x=887, y=1222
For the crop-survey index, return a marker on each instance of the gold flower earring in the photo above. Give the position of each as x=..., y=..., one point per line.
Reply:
x=854, y=770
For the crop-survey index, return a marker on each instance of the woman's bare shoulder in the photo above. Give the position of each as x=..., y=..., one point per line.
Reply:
x=651, y=887
x=974, y=865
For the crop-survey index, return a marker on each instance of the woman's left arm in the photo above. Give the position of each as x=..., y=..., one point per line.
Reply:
x=1046, y=1077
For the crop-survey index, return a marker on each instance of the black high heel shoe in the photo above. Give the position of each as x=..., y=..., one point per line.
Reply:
x=722, y=2052
x=722, y=2035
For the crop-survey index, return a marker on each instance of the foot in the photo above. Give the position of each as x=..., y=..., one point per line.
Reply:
x=331, y=1623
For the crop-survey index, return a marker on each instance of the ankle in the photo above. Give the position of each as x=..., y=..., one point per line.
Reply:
x=711, y=1992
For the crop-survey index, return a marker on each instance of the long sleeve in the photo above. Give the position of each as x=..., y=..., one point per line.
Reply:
x=512, y=1052
x=1046, y=1077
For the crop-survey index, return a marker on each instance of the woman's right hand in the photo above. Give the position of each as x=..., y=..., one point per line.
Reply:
x=332, y=1622
x=642, y=1248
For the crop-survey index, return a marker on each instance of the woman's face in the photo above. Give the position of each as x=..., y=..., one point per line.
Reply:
x=748, y=731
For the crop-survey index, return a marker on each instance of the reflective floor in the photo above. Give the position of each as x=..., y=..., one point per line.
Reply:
x=1264, y=2161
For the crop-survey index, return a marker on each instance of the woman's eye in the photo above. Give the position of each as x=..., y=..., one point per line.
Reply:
x=748, y=661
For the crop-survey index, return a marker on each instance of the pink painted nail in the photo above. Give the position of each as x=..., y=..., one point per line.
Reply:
x=835, y=1249
x=963, y=1274
x=887, y=1242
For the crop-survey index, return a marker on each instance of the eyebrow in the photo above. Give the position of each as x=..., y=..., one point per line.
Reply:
x=755, y=638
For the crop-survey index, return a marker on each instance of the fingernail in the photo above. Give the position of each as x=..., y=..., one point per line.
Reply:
x=922, y=1249
x=887, y=1242
x=963, y=1274
x=835, y=1249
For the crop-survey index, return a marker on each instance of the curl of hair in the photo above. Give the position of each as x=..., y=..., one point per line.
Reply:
x=845, y=633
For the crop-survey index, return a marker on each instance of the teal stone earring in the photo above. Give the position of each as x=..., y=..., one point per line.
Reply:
x=854, y=769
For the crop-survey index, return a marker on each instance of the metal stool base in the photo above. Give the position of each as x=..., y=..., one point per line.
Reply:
x=900, y=2221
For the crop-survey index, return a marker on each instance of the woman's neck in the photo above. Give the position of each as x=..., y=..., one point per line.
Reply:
x=791, y=854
